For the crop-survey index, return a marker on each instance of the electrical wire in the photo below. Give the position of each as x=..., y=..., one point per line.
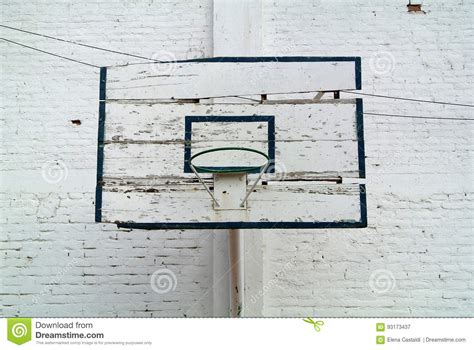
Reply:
x=241, y=97
x=350, y=92
x=408, y=99
x=80, y=44
x=386, y=114
x=417, y=116
x=247, y=98
x=50, y=53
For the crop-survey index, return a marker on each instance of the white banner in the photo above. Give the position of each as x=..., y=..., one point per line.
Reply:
x=228, y=334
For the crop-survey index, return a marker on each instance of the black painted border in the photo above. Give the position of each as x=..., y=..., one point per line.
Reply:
x=188, y=129
x=100, y=145
x=242, y=225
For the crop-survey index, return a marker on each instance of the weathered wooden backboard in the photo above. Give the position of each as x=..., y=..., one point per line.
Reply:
x=151, y=124
x=231, y=76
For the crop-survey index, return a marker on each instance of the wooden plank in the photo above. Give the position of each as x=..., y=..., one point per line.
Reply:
x=294, y=159
x=310, y=139
x=187, y=80
x=165, y=121
x=190, y=203
x=225, y=131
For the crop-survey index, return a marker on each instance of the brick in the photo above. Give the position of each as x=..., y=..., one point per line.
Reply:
x=418, y=171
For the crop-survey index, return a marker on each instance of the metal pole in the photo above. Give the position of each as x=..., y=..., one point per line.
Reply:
x=236, y=288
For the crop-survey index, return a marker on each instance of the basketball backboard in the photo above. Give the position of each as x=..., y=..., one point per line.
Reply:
x=153, y=121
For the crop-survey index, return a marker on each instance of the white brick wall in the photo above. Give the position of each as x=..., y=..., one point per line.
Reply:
x=44, y=227
x=420, y=172
x=57, y=262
